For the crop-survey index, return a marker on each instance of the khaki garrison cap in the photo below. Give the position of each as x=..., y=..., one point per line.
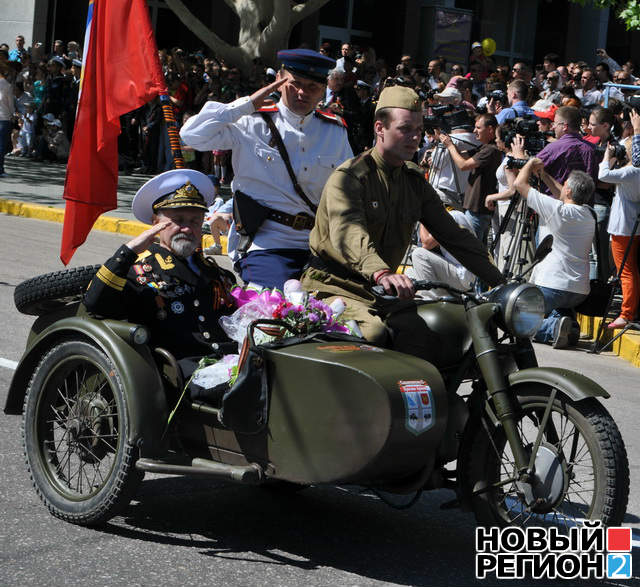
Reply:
x=399, y=97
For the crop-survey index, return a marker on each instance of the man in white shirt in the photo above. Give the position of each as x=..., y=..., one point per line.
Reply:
x=432, y=262
x=269, y=239
x=6, y=113
x=588, y=93
x=563, y=275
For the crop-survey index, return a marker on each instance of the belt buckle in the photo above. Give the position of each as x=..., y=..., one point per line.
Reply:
x=299, y=221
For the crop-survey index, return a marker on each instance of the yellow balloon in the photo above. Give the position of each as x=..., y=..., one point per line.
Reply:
x=488, y=46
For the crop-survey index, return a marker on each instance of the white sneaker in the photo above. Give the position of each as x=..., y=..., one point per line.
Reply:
x=563, y=329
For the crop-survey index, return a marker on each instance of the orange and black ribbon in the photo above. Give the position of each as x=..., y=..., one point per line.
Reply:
x=172, y=131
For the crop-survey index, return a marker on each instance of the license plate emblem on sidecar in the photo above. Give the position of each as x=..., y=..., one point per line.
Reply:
x=419, y=408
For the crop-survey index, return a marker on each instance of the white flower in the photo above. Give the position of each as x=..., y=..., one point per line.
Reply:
x=337, y=307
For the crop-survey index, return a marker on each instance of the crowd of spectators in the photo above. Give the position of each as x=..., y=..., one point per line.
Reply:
x=477, y=118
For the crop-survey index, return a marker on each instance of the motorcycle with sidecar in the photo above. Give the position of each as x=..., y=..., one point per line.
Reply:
x=518, y=443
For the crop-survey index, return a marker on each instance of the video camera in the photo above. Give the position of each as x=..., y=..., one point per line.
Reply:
x=534, y=140
x=446, y=117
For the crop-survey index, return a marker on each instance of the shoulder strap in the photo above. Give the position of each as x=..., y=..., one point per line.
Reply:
x=285, y=157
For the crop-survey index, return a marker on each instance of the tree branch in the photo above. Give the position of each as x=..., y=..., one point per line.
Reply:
x=302, y=10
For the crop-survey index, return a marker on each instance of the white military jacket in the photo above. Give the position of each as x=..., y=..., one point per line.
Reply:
x=316, y=143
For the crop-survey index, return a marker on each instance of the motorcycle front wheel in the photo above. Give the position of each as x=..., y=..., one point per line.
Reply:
x=75, y=430
x=582, y=471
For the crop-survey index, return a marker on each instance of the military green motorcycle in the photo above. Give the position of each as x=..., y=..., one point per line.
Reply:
x=518, y=443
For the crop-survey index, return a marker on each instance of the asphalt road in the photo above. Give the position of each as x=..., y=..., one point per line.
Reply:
x=185, y=531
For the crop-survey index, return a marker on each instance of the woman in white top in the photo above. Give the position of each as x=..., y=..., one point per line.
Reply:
x=624, y=211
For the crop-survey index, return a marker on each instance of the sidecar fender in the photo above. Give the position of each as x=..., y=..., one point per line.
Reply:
x=138, y=372
x=574, y=385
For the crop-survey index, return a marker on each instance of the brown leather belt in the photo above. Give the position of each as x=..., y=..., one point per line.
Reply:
x=299, y=221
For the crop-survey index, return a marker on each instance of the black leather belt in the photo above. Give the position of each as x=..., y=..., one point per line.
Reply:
x=299, y=221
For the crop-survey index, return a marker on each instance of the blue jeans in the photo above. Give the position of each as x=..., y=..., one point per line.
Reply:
x=557, y=303
x=601, y=255
x=5, y=134
x=480, y=223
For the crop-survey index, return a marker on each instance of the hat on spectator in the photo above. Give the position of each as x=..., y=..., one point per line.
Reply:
x=57, y=59
x=307, y=63
x=399, y=97
x=451, y=93
x=363, y=84
x=49, y=118
x=77, y=63
x=177, y=188
x=550, y=113
x=476, y=45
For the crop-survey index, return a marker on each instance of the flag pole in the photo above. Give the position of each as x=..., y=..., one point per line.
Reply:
x=172, y=131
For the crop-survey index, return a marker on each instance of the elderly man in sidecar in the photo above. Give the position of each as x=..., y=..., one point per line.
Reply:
x=168, y=285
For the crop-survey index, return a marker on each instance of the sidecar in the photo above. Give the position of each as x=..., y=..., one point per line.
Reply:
x=96, y=399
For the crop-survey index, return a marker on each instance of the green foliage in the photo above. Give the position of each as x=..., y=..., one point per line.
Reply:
x=628, y=11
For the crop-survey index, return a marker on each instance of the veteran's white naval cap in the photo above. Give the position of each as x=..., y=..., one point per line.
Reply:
x=177, y=188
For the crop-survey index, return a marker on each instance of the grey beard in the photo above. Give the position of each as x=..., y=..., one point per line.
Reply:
x=182, y=245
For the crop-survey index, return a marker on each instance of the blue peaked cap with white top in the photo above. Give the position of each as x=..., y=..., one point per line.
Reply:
x=307, y=63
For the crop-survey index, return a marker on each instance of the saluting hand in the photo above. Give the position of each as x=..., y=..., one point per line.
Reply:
x=141, y=242
x=259, y=97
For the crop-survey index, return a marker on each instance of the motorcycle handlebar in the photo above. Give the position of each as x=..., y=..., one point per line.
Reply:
x=418, y=285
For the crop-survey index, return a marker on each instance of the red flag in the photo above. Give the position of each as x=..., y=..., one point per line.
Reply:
x=121, y=72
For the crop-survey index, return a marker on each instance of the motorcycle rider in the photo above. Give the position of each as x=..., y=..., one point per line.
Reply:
x=168, y=285
x=363, y=227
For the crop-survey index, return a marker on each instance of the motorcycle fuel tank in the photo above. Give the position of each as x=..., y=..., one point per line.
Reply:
x=342, y=411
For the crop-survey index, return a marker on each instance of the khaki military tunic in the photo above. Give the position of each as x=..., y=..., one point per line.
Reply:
x=364, y=223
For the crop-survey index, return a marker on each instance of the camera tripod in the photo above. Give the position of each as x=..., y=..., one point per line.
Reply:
x=617, y=283
x=520, y=249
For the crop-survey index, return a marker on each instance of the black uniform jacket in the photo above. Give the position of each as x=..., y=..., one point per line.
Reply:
x=179, y=300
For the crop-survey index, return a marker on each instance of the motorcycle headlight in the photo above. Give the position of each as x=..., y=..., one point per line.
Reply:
x=524, y=310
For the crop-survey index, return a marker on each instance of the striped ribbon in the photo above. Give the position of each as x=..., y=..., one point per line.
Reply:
x=172, y=131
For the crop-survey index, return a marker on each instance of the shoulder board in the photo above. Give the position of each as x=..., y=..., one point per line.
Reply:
x=143, y=255
x=268, y=108
x=331, y=117
x=361, y=165
x=411, y=167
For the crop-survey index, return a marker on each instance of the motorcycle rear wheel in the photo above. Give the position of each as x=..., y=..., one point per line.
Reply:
x=75, y=430
x=587, y=466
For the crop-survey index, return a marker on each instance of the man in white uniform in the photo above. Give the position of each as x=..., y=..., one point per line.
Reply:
x=269, y=238
x=563, y=275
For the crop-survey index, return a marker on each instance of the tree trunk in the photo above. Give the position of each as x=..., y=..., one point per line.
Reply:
x=265, y=27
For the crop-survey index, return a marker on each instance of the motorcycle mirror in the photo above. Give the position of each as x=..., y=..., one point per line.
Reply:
x=544, y=248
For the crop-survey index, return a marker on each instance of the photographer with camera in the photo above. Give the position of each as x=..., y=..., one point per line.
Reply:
x=516, y=95
x=483, y=166
x=624, y=211
x=569, y=151
x=601, y=124
x=563, y=275
x=445, y=177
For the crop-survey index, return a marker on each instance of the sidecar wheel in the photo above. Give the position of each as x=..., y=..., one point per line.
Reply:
x=51, y=291
x=75, y=431
x=582, y=460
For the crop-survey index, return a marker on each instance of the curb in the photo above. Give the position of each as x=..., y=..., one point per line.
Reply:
x=104, y=222
x=626, y=347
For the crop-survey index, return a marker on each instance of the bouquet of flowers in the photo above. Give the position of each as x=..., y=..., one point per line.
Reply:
x=294, y=306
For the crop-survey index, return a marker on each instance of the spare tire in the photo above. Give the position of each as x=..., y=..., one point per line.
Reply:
x=51, y=291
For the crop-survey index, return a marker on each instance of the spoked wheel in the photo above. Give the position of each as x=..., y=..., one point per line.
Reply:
x=75, y=432
x=581, y=467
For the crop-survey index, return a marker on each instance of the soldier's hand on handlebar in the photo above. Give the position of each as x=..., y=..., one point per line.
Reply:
x=396, y=284
x=141, y=242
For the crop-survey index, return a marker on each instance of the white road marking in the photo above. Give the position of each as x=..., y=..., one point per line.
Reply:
x=7, y=364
